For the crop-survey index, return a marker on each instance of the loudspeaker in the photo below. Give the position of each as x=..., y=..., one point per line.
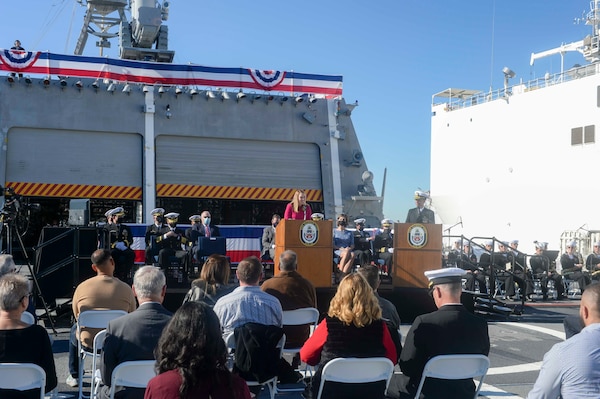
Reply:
x=62, y=260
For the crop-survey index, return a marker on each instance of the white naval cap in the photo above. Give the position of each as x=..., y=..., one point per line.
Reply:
x=317, y=216
x=157, y=211
x=541, y=245
x=360, y=221
x=119, y=211
x=515, y=242
x=489, y=243
x=597, y=244
x=572, y=244
x=195, y=218
x=387, y=221
x=421, y=194
x=172, y=216
x=445, y=275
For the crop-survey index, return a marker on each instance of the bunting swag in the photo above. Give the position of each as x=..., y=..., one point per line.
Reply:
x=45, y=63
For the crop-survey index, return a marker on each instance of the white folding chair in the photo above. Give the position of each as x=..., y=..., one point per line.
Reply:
x=28, y=318
x=270, y=383
x=97, y=347
x=299, y=317
x=97, y=319
x=357, y=370
x=22, y=377
x=455, y=367
x=132, y=374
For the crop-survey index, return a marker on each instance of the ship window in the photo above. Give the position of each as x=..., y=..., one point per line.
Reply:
x=589, y=133
x=576, y=136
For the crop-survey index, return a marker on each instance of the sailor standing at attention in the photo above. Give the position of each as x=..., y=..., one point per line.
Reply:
x=420, y=214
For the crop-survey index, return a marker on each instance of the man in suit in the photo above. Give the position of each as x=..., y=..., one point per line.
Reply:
x=451, y=329
x=420, y=214
x=268, y=239
x=134, y=336
x=201, y=227
x=158, y=227
x=120, y=239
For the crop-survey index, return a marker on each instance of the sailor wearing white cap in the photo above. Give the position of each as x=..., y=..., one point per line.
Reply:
x=503, y=261
x=120, y=239
x=172, y=243
x=420, y=214
x=317, y=216
x=362, y=242
x=592, y=262
x=157, y=228
x=540, y=267
x=519, y=268
x=383, y=245
x=463, y=333
x=468, y=262
x=572, y=266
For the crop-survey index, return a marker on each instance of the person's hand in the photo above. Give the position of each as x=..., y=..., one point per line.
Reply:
x=121, y=245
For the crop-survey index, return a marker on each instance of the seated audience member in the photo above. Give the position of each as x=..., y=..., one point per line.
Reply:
x=172, y=243
x=268, y=239
x=102, y=291
x=389, y=313
x=7, y=265
x=213, y=282
x=191, y=359
x=592, y=262
x=157, y=228
x=248, y=303
x=293, y=292
x=570, y=369
x=540, y=267
x=343, y=245
x=21, y=342
x=468, y=262
x=520, y=270
x=450, y=330
x=383, y=245
x=352, y=328
x=572, y=266
x=362, y=242
x=135, y=335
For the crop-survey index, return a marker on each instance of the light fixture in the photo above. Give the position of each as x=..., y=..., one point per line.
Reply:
x=240, y=95
x=111, y=87
x=193, y=92
x=224, y=95
x=283, y=100
x=299, y=99
x=147, y=88
x=178, y=90
x=270, y=97
x=312, y=99
x=27, y=80
x=63, y=82
x=161, y=90
x=127, y=88
x=79, y=84
x=209, y=94
x=168, y=111
x=47, y=81
x=96, y=84
x=508, y=74
x=256, y=96
x=10, y=79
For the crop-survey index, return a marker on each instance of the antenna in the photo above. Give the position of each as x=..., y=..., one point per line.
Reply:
x=383, y=185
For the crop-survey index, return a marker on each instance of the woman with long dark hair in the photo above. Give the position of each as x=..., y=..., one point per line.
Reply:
x=191, y=359
x=213, y=282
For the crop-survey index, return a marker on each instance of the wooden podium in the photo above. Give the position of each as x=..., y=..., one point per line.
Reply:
x=417, y=248
x=313, y=243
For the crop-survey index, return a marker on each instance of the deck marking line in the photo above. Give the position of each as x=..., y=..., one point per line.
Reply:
x=544, y=330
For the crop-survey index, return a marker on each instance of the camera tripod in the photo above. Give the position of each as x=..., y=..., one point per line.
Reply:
x=7, y=223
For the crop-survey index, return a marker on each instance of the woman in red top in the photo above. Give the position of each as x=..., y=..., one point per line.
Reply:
x=352, y=328
x=191, y=359
x=298, y=209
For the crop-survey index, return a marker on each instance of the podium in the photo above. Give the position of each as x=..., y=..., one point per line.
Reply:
x=417, y=248
x=313, y=243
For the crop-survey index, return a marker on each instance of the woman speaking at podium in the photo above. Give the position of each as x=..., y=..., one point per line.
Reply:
x=298, y=209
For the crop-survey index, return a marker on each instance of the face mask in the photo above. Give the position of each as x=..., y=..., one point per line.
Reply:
x=342, y=223
x=206, y=221
x=275, y=224
x=159, y=219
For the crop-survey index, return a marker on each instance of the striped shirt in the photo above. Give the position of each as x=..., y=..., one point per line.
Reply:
x=248, y=304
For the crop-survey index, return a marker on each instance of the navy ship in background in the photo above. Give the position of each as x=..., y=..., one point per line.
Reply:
x=527, y=153
x=141, y=132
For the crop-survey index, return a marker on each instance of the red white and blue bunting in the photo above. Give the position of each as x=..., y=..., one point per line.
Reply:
x=45, y=63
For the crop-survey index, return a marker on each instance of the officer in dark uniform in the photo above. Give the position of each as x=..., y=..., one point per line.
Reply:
x=172, y=243
x=362, y=243
x=540, y=265
x=120, y=240
x=154, y=230
x=383, y=244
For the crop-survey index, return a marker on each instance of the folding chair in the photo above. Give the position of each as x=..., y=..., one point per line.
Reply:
x=299, y=317
x=22, y=377
x=455, y=367
x=92, y=319
x=356, y=371
x=270, y=383
x=132, y=374
x=97, y=347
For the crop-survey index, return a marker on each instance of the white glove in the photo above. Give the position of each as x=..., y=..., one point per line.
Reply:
x=391, y=250
x=121, y=245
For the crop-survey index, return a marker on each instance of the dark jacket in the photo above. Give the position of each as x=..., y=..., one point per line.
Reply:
x=256, y=353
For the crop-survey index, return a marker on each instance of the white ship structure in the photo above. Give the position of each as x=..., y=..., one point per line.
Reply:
x=522, y=162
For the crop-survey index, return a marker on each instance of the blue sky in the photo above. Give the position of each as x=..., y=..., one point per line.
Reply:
x=394, y=55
